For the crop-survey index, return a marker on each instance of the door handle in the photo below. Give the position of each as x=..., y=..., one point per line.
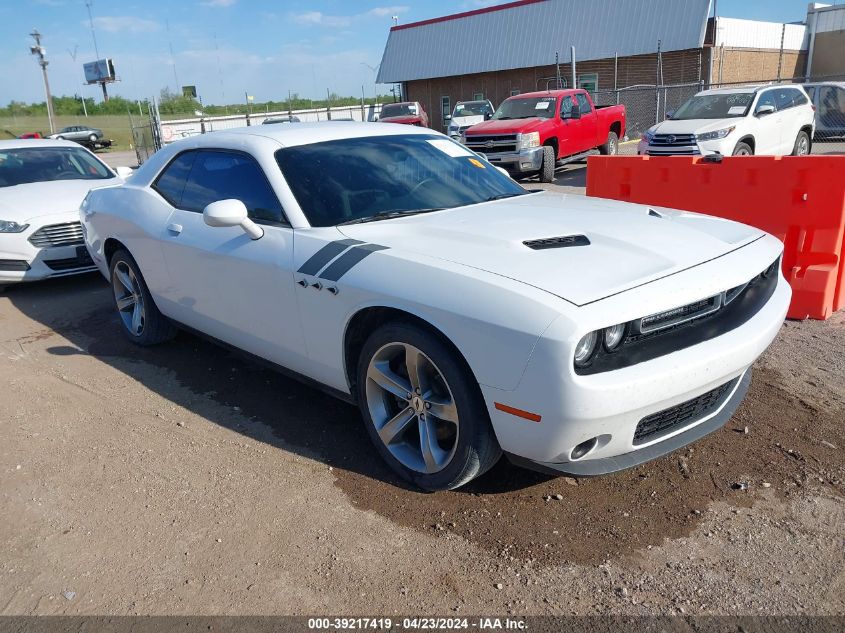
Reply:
x=174, y=228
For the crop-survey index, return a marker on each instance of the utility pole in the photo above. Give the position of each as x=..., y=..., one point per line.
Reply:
x=42, y=61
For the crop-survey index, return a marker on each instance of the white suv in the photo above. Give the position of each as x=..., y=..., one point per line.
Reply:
x=763, y=120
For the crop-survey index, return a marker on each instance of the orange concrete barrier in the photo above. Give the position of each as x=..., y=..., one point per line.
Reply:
x=800, y=200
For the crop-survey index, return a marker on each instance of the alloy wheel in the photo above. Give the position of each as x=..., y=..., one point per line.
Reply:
x=129, y=298
x=412, y=408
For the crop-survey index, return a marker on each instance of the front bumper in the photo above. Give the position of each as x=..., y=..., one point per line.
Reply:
x=724, y=147
x=523, y=161
x=606, y=465
x=21, y=261
x=610, y=407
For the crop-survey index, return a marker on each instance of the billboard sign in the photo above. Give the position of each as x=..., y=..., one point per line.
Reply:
x=99, y=71
x=189, y=91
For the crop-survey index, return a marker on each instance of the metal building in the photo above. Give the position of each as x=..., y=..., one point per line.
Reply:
x=522, y=46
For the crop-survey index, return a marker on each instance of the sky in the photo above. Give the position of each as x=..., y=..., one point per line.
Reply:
x=231, y=47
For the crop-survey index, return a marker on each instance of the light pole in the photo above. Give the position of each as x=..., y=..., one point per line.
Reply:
x=42, y=61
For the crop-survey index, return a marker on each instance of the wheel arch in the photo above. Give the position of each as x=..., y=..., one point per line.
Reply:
x=552, y=142
x=616, y=127
x=367, y=319
x=748, y=139
x=110, y=247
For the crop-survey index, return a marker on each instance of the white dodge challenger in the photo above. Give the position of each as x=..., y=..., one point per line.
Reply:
x=464, y=315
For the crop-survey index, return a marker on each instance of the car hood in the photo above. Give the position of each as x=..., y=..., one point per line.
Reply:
x=21, y=203
x=460, y=121
x=629, y=245
x=401, y=119
x=693, y=126
x=508, y=126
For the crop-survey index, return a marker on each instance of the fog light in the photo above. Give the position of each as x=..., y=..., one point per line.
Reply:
x=583, y=448
x=613, y=336
x=585, y=348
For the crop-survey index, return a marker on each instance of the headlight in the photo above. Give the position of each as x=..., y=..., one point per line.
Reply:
x=7, y=226
x=585, y=348
x=613, y=336
x=529, y=140
x=648, y=137
x=712, y=136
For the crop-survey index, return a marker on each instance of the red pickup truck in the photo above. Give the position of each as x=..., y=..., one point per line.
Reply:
x=534, y=132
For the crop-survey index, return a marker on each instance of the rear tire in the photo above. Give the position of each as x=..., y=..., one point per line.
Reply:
x=743, y=149
x=547, y=171
x=60, y=138
x=423, y=409
x=140, y=319
x=802, y=145
x=611, y=147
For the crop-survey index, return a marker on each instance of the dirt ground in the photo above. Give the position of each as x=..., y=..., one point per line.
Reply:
x=183, y=480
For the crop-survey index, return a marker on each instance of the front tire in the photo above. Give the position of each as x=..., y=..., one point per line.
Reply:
x=140, y=319
x=93, y=138
x=802, y=144
x=611, y=147
x=423, y=408
x=547, y=171
x=743, y=149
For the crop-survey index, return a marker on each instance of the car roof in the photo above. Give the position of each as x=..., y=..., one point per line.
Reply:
x=19, y=143
x=838, y=84
x=745, y=89
x=308, y=133
x=544, y=93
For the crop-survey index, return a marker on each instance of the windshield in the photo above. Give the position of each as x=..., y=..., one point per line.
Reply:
x=473, y=108
x=359, y=178
x=399, y=109
x=715, y=106
x=21, y=166
x=525, y=108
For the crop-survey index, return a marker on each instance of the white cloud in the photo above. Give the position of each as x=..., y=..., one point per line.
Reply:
x=317, y=18
x=115, y=24
x=388, y=11
x=218, y=3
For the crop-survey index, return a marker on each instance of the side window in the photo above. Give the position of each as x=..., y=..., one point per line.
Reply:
x=221, y=175
x=832, y=106
x=565, y=107
x=798, y=98
x=767, y=98
x=171, y=182
x=811, y=90
x=583, y=103
x=784, y=97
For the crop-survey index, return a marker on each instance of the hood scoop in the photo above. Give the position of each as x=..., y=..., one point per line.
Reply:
x=557, y=242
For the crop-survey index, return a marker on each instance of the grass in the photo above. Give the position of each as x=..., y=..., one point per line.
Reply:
x=114, y=127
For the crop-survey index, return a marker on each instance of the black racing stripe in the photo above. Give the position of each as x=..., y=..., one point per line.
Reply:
x=325, y=255
x=345, y=262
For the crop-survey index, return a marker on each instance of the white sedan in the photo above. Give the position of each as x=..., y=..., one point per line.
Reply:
x=465, y=315
x=42, y=184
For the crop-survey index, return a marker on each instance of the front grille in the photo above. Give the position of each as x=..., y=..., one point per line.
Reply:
x=500, y=144
x=67, y=234
x=81, y=261
x=673, y=140
x=14, y=264
x=664, y=422
x=676, y=316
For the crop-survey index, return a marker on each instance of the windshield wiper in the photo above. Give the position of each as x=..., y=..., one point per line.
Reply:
x=502, y=196
x=389, y=215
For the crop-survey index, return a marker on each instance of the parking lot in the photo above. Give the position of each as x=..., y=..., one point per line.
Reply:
x=182, y=479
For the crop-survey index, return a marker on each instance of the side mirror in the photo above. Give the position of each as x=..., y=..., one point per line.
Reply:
x=488, y=116
x=231, y=213
x=576, y=112
x=763, y=110
x=447, y=117
x=670, y=114
x=123, y=171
